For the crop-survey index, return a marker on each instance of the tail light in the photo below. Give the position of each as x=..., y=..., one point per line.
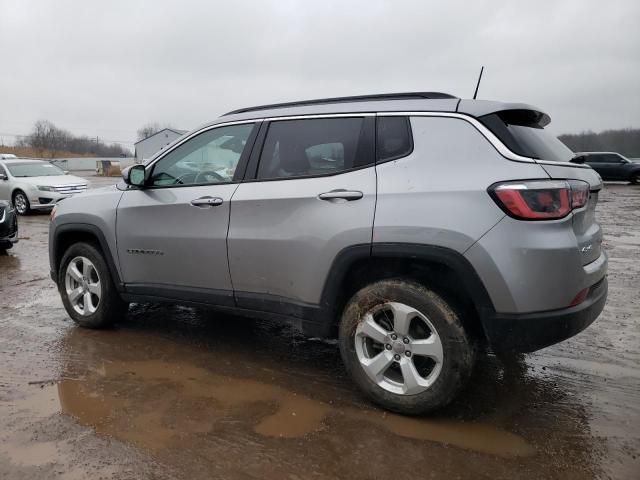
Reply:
x=540, y=199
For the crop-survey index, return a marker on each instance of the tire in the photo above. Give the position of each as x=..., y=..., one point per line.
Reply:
x=635, y=178
x=4, y=246
x=98, y=310
x=20, y=198
x=440, y=379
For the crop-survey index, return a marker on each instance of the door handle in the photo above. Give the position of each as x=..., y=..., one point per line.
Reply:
x=204, y=202
x=341, y=194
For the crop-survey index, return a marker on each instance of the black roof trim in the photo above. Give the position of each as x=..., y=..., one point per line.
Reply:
x=358, y=98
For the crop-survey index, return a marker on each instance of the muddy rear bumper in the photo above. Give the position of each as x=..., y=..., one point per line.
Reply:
x=533, y=331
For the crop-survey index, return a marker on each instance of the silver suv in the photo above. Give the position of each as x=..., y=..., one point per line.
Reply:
x=419, y=228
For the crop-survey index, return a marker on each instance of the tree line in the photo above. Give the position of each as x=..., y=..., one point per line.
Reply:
x=47, y=139
x=625, y=141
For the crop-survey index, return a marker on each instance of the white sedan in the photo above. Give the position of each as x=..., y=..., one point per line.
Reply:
x=36, y=184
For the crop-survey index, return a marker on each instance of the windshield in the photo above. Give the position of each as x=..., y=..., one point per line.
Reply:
x=522, y=131
x=33, y=169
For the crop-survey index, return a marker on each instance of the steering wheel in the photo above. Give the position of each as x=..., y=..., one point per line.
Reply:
x=209, y=173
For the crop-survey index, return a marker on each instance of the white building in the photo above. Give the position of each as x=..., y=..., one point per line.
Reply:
x=148, y=147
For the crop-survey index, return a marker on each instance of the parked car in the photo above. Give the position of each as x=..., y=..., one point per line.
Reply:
x=610, y=165
x=36, y=184
x=418, y=228
x=7, y=156
x=8, y=226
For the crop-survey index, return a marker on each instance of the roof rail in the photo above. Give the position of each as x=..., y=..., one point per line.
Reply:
x=358, y=98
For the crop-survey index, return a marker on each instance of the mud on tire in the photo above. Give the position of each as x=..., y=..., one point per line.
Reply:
x=110, y=307
x=458, y=348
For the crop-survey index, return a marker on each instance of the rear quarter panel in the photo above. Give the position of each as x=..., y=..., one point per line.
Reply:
x=438, y=194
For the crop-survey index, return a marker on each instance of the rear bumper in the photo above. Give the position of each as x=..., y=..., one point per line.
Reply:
x=533, y=331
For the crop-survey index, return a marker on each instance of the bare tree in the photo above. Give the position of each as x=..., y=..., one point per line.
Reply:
x=49, y=140
x=150, y=129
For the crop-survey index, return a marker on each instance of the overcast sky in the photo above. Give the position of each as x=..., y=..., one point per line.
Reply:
x=106, y=68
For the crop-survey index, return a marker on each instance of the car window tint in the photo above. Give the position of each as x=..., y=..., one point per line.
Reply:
x=393, y=138
x=320, y=146
x=208, y=158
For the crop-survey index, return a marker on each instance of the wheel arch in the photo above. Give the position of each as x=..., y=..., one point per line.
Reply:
x=17, y=190
x=67, y=234
x=445, y=270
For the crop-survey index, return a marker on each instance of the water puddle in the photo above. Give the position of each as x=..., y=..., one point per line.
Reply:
x=156, y=404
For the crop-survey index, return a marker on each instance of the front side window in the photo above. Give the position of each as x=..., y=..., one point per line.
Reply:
x=393, y=138
x=209, y=158
x=320, y=146
x=611, y=158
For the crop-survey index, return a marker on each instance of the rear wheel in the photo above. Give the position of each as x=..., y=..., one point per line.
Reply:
x=87, y=289
x=405, y=347
x=21, y=203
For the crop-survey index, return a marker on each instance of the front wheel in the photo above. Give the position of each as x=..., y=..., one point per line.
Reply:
x=21, y=203
x=405, y=347
x=86, y=287
x=635, y=178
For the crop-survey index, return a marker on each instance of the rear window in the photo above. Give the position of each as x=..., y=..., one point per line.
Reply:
x=522, y=131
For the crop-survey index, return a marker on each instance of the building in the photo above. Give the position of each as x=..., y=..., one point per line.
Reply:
x=148, y=147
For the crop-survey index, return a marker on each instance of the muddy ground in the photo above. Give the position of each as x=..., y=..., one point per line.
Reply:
x=175, y=392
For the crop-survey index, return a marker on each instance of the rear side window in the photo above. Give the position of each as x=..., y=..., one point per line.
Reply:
x=393, y=138
x=320, y=146
x=522, y=131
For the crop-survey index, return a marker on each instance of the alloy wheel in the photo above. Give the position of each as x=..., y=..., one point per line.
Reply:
x=20, y=202
x=399, y=348
x=82, y=286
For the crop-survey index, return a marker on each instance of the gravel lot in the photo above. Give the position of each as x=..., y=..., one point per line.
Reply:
x=175, y=392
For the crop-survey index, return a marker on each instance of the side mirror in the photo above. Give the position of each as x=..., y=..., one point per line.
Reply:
x=578, y=160
x=3, y=176
x=134, y=175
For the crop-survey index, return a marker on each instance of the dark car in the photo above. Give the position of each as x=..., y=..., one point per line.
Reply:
x=8, y=226
x=610, y=165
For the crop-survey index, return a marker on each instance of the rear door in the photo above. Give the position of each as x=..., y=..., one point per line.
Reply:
x=311, y=194
x=172, y=233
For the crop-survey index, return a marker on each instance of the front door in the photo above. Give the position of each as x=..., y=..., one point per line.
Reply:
x=313, y=195
x=172, y=233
